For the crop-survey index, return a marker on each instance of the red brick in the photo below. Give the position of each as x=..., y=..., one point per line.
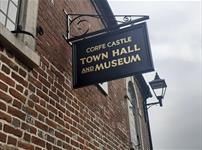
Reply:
x=68, y=94
x=8, y=62
x=17, y=104
x=19, y=88
x=48, y=146
x=45, y=62
x=44, y=81
x=27, y=137
x=32, y=112
x=12, y=130
x=61, y=95
x=59, y=107
x=35, y=73
x=16, y=122
x=5, y=117
x=75, y=143
x=51, y=123
x=31, y=87
x=41, y=72
x=3, y=86
x=68, y=119
x=56, y=148
x=35, y=82
x=38, y=148
x=34, y=98
x=50, y=139
x=50, y=79
x=45, y=89
x=53, y=96
x=17, y=95
x=5, y=69
x=69, y=107
x=42, y=95
x=51, y=115
x=7, y=79
x=42, y=126
x=58, y=86
x=38, y=141
x=29, y=128
x=42, y=103
x=75, y=105
x=22, y=72
x=24, y=145
x=19, y=79
x=52, y=109
x=16, y=112
x=3, y=137
x=60, y=135
x=81, y=140
x=58, y=120
x=12, y=140
x=67, y=132
x=75, y=130
x=75, y=118
x=2, y=106
x=41, y=109
x=57, y=73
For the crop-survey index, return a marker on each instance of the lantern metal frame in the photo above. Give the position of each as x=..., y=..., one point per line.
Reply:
x=158, y=83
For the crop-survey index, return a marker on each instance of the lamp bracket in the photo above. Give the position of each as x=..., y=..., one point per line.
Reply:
x=82, y=24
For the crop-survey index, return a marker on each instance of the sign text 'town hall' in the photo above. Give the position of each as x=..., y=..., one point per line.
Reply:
x=109, y=56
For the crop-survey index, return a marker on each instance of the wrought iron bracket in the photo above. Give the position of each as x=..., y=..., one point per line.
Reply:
x=39, y=31
x=154, y=103
x=19, y=30
x=82, y=23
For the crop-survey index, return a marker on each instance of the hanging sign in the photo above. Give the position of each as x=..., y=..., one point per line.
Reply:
x=113, y=55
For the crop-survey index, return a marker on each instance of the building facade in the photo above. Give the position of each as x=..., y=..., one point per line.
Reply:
x=39, y=109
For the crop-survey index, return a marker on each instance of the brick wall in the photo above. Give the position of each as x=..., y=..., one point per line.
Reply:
x=40, y=110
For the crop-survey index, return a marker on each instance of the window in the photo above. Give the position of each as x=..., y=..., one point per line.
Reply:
x=21, y=13
x=8, y=13
x=133, y=119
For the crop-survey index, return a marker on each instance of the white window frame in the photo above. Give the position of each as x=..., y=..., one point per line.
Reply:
x=23, y=46
x=104, y=87
x=135, y=133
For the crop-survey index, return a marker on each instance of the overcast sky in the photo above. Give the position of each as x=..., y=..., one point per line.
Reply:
x=175, y=36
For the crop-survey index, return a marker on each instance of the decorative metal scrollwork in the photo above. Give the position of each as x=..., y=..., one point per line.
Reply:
x=81, y=24
x=127, y=18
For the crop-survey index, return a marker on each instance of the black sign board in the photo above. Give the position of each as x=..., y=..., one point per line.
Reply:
x=113, y=55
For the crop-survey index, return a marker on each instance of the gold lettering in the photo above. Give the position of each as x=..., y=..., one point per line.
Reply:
x=87, y=69
x=82, y=60
x=99, y=67
x=120, y=61
x=107, y=65
x=117, y=62
x=126, y=61
x=136, y=58
x=136, y=48
x=94, y=58
x=96, y=48
x=114, y=63
x=89, y=59
x=123, y=51
x=115, y=52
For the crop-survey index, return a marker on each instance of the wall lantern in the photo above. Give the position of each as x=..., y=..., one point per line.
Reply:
x=159, y=88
